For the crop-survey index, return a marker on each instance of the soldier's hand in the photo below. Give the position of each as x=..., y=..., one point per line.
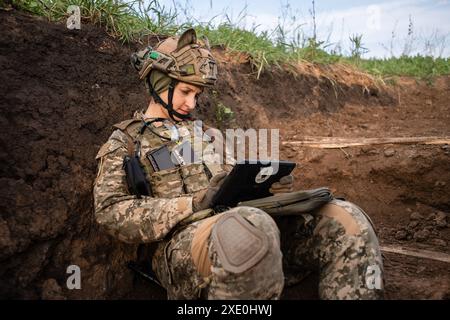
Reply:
x=286, y=184
x=203, y=198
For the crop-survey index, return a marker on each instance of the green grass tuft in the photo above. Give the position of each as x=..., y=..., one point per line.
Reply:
x=131, y=20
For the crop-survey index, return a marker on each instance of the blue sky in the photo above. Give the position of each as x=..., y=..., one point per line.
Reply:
x=376, y=20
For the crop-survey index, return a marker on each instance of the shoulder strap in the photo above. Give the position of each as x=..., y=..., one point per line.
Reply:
x=122, y=126
x=130, y=143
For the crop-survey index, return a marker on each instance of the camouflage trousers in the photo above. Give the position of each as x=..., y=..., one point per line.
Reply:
x=337, y=241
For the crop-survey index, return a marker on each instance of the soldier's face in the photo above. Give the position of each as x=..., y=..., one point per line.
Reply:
x=184, y=98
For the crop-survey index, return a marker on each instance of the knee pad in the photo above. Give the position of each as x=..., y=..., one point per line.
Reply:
x=243, y=237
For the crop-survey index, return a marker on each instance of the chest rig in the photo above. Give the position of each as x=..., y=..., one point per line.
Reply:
x=185, y=178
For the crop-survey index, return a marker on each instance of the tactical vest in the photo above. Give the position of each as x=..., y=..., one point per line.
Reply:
x=183, y=179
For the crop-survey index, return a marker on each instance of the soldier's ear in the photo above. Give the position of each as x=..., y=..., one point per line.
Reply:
x=188, y=37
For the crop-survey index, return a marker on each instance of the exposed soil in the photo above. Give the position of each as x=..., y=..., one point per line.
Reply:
x=62, y=90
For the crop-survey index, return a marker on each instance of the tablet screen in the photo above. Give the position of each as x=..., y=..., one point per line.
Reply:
x=251, y=180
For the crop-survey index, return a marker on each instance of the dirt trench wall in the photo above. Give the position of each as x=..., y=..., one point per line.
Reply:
x=58, y=100
x=60, y=92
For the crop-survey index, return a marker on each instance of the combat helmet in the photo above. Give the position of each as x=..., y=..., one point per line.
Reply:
x=185, y=59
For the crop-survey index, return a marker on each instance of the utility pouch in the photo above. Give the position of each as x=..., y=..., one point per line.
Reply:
x=195, y=177
x=167, y=183
x=135, y=175
x=136, y=181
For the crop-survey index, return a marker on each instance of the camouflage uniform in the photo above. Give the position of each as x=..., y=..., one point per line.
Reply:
x=339, y=242
x=340, y=246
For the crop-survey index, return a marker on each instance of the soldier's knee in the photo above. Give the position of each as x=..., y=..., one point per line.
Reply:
x=247, y=250
x=350, y=250
x=341, y=215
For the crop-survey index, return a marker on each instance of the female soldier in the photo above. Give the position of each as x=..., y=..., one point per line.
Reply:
x=232, y=255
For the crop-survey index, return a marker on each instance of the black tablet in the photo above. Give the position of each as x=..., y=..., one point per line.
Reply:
x=250, y=180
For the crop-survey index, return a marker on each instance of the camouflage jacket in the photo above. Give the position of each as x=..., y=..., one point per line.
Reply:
x=149, y=218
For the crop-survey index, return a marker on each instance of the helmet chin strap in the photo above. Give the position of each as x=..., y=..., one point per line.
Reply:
x=168, y=106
